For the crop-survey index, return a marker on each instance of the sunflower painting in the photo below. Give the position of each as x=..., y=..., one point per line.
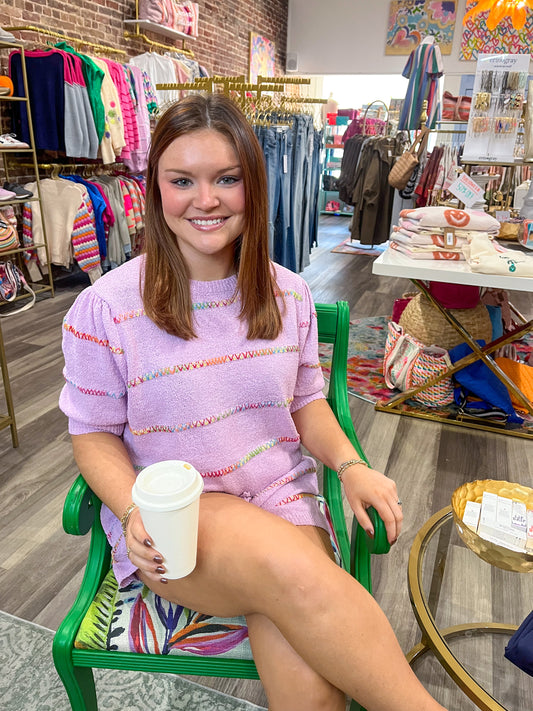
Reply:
x=412, y=20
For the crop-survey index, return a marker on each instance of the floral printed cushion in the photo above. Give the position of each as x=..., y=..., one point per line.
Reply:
x=135, y=619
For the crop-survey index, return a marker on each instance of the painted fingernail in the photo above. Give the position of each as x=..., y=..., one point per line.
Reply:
x=147, y=542
x=158, y=559
x=159, y=569
x=370, y=532
x=163, y=580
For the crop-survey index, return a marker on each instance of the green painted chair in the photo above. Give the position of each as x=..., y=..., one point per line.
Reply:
x=132, y=628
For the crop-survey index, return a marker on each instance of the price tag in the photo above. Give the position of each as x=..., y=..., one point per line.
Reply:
x=466, y=190
x=502, y=215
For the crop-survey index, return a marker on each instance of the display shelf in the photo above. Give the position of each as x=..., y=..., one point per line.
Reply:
x=159, y=29
x=18, y=201
x=10, y=158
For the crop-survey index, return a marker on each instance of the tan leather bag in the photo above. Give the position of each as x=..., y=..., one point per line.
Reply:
x=403, y=168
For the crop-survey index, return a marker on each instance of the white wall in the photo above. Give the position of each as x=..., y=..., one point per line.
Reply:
x=348, y=37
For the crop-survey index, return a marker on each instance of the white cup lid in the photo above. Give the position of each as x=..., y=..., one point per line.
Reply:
x=167, y=485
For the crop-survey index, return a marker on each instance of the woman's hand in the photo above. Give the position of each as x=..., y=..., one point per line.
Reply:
x=141, y=551
x=366, y=487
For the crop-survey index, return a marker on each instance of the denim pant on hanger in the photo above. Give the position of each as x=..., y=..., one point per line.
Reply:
x=315, y=180
x=276, y=143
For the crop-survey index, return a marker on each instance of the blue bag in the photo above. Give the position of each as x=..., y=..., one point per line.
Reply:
x=479, y=380
x=519, y=651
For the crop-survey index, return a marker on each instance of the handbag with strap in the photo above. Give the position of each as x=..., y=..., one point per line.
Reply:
x=408, y=363
x=12, y=280
x=455, y=108
x=405, y=164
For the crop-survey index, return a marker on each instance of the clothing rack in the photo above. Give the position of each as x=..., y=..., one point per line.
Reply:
x=73, y=40
x=160, y=45
x=57, y=168
x=237, y=83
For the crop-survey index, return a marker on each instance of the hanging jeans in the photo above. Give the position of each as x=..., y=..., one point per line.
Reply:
x=276, y=143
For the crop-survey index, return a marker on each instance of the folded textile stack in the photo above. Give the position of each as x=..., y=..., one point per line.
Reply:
x=440, y=232
x=488, y=257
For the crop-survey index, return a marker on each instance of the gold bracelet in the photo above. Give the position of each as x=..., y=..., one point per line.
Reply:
x=349, y=463
x=126, y=517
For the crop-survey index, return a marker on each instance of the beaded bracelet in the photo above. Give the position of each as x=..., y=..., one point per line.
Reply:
x=349, y=463
x=126, y=517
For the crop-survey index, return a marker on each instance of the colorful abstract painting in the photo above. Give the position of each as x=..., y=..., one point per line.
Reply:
x=412, y=20
x=262, y=57
x=504, y=39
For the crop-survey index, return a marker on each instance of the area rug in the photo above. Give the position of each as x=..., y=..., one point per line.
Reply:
x=354, y=247
x=29, y=680
x=366, y=348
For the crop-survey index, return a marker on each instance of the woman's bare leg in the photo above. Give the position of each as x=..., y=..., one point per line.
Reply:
x=289, y=682
x=251, y=561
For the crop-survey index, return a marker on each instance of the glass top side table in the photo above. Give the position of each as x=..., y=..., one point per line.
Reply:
x=467, y=611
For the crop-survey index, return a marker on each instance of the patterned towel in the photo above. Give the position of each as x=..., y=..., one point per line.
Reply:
x=437, y=216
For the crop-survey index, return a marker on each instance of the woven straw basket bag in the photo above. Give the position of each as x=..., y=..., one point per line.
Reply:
x=422, y=320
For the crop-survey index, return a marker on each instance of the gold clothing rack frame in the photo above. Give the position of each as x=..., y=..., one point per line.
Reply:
x=237, y=83
x=73, y=40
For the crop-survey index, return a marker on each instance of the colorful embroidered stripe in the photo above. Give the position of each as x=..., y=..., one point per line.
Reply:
x=93, y=391
x=311, y=365
x=292, y=477
x=289, y=292
x=211, y=419
x=128, y=315
x=247, y=457
x=88, y=337
x=219, y=360
x=294, y=497
x=214, y=304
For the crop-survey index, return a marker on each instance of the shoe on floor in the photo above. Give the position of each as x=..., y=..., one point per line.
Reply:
x=7, y=194
x=9, y=140
x=18, y=190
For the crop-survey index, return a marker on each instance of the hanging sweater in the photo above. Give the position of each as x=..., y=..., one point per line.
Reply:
x=219, y=401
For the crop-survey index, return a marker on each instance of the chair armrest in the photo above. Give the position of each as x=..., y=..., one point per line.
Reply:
x=379, y=543
x=80, y=508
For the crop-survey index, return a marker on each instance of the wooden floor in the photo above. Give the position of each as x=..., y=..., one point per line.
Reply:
x=40, y=567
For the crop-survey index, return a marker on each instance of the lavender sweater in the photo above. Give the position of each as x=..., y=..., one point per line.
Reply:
x=219, y=401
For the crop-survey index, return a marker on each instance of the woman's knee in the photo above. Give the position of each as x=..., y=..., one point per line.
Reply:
x=247, y=558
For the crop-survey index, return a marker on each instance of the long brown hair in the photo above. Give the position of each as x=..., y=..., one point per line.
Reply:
x=166, y=293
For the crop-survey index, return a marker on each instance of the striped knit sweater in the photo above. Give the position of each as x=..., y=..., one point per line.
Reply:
x=219, y=401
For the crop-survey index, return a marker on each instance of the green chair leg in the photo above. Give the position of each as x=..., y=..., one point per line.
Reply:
x=78, y=681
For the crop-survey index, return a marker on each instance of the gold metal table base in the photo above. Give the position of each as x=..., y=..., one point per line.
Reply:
x=479, y=353
x=435, y=639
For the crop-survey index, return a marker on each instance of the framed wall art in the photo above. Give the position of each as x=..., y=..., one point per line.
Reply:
x=262, y=57
x=412, y=20
x=503, y=39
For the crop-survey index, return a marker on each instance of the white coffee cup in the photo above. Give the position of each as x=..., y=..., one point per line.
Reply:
x=168, y=496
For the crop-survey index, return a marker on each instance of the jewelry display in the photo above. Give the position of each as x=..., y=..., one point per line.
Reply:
x=498, y=97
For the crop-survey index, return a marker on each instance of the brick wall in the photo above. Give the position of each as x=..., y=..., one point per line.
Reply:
x=224, y=27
